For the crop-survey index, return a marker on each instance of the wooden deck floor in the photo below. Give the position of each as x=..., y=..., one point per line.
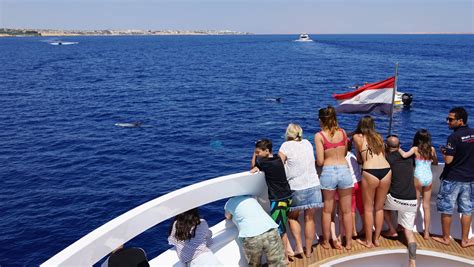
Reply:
x=321, y=255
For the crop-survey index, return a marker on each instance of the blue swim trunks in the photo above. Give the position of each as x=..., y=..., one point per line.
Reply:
x=453, y=192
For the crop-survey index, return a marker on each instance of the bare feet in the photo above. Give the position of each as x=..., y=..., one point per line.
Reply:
x=336, y=243
x=390, y=233
x=426, y=235
x=325, y=245
x=309, y=254
x=377, y=242
x=365, y=243
x=442, y=240
x=348, y=246
x=467, y=243
x=298, y=254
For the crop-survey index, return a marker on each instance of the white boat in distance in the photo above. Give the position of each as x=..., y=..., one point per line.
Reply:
x=304, y=38
x=91, y=248
x=62, y=43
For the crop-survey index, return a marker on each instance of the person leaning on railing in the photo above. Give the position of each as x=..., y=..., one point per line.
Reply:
x=257, y=231
x=298, y=155
x=331, y=150
x=402, y=196
x=279, y=191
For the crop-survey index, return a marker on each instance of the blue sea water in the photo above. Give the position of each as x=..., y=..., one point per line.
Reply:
x=66, y=169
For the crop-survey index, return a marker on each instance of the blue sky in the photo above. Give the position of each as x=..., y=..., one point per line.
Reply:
x=256, y=16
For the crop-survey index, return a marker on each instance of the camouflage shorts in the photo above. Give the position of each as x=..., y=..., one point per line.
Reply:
x=268, y=243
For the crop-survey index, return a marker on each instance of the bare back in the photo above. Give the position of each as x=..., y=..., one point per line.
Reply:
x=335, y=153
x=369, y=159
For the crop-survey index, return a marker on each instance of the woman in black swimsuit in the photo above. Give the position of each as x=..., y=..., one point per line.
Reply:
x=376, y=177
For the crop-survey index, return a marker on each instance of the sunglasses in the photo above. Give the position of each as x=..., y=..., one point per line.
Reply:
x=450, y=119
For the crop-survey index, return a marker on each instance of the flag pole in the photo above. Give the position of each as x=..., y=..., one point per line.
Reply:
x=393, y=99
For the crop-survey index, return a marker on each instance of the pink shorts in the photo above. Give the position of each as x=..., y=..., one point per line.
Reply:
x=356, y=198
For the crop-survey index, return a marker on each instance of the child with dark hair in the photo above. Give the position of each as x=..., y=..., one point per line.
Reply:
x=191, y=237
x=425, y=156
x=279, y=192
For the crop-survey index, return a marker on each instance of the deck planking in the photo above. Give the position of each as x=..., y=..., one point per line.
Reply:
x=321, y=255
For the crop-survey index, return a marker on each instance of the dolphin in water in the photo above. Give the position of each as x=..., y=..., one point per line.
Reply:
x=134, y=124
x=275, y=99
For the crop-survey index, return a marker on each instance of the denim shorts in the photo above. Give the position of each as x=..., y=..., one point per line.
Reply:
x=306, y=199
x=336, y=176
x=453, y=192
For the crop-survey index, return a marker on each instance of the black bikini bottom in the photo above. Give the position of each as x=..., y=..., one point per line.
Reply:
x=379, y=173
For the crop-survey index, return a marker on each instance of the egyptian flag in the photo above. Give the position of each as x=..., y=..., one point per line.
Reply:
x=370, y=98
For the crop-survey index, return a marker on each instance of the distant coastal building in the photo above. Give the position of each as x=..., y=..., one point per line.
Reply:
x=4, y=32
x=18, y=32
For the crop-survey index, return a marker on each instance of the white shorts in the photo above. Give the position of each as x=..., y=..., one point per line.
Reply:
x=406, y=210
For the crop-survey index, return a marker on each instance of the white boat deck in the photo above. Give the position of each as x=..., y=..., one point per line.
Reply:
x=93, y=247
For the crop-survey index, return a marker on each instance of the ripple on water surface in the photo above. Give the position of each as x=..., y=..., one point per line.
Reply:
x=68, y=169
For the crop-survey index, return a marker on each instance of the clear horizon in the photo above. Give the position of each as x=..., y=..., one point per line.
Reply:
x=258, y=17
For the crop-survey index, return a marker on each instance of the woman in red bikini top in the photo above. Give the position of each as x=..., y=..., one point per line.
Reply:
x=331, y=150
x=376, y=177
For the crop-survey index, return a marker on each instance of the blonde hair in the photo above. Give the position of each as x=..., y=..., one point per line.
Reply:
x=294, y=132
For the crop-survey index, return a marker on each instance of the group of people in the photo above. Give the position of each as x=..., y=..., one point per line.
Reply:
x=378, y=179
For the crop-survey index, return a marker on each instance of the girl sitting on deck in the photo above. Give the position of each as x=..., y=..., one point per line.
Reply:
x=425, y=156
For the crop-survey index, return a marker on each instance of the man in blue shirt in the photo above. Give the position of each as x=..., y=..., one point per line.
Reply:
x=457, y=179
x=257, y=231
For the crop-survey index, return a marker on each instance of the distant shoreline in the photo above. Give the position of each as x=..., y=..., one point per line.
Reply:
x=8, y=32
x=11, y=32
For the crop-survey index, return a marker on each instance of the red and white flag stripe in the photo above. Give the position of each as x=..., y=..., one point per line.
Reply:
x=370, y=98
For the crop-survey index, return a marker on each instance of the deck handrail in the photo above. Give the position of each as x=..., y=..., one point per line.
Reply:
x=97, y=244
x=94, y=246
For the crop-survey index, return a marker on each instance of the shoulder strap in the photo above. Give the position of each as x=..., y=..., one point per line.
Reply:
x=344, y=136
x=325, y=140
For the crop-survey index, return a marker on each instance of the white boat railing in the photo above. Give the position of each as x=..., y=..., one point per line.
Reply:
x=94, y=246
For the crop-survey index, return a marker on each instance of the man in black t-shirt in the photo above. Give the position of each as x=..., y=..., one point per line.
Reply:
x=279, y=192
x=457, y=179
x=401, y=196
